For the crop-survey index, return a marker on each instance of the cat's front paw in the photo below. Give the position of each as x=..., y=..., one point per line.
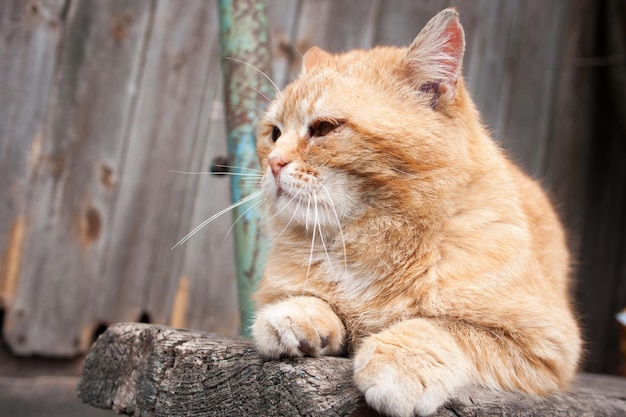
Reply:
x=400, y=381
x=299, y=326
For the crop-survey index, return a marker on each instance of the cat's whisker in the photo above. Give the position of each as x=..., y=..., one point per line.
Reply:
x=306, y=220
x=261, y=93
x=343, y=240
x=312, y=245
x=256, y=177
x=293, y=48
x=287, y=205
x=259, y=111
x=293, y=215
x=240, y=168
x=319, y=228
x=240, y=174
x=252, y=179
x=292, y=76
x=267, y=77
x=244, y=200
x=248, y=210
x=190, y=172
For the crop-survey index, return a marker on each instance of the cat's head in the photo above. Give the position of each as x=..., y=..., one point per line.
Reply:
x=366, y=128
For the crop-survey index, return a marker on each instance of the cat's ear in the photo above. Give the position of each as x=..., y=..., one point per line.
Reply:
x=435, y=57
x=313, y=58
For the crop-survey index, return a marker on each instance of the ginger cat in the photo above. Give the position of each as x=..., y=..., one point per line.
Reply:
x=403, y=236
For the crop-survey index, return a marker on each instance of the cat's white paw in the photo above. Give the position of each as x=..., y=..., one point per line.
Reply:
x=398, y=383
x=299, y=326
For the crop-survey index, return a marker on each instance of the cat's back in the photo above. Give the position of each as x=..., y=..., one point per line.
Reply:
x=548, y=237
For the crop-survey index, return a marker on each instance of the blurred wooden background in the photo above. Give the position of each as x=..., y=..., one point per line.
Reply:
x=101, y=100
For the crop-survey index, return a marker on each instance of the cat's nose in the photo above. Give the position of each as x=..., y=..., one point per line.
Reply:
x=277, y=162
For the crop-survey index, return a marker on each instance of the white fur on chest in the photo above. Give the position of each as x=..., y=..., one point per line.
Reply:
x=352, y=283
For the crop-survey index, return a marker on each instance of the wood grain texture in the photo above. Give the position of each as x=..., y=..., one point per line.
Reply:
x=175, y=127
x=337, y=26
x=138, y=369
x=572, y=134
x=68, y=203
x=29, y=38
x=136, y=95
x=400, y=21
x=282, y=25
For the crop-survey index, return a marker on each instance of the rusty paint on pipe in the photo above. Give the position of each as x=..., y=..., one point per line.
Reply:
x=245, y=60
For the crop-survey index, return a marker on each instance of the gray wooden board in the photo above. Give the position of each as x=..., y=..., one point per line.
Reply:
x=67, y=201
x=565, y=171
x=400, y=21
x=141, y=273
x=286, y=55
x=211, y=299
x=534, y=64
x=29, y=37
x=337, y=26
x=137, y=369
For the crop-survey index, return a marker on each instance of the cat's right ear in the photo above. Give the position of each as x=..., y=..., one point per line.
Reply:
x=314, y=57
x=434, y=59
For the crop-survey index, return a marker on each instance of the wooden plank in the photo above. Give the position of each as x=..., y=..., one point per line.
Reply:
x=400, y=21
x=156, y=207
x=487, y=73
x=286, y=56
x=337, y=25
x=144, y=370
x=533, y=83
x=29, y=37
x=209, y=262
x=566, y=166
x=603, y=257
x=71, y=187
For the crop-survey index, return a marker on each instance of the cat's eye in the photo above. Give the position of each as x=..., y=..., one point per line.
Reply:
x=275, y=133
x=320, y=128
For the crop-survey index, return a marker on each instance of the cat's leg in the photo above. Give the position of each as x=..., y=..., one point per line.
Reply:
x=410, y=368
x=413, y=366
x=298, y=326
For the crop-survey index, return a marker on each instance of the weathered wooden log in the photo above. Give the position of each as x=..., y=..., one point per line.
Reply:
x=149, y=370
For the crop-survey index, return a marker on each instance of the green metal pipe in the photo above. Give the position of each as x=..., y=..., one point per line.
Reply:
x=245, y=58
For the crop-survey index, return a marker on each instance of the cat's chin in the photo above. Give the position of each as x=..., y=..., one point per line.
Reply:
x=300, y=210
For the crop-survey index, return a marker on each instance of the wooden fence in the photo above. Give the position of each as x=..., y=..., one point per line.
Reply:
x=101, y=100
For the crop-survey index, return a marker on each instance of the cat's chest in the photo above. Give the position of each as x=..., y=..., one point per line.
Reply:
x=365, y=307
x=352, y=285
x=365, y=317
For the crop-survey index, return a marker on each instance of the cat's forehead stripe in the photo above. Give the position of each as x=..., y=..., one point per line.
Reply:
x=297, y=109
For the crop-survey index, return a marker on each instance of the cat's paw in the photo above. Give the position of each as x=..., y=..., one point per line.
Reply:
x=299, y=326
x=400, y=381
